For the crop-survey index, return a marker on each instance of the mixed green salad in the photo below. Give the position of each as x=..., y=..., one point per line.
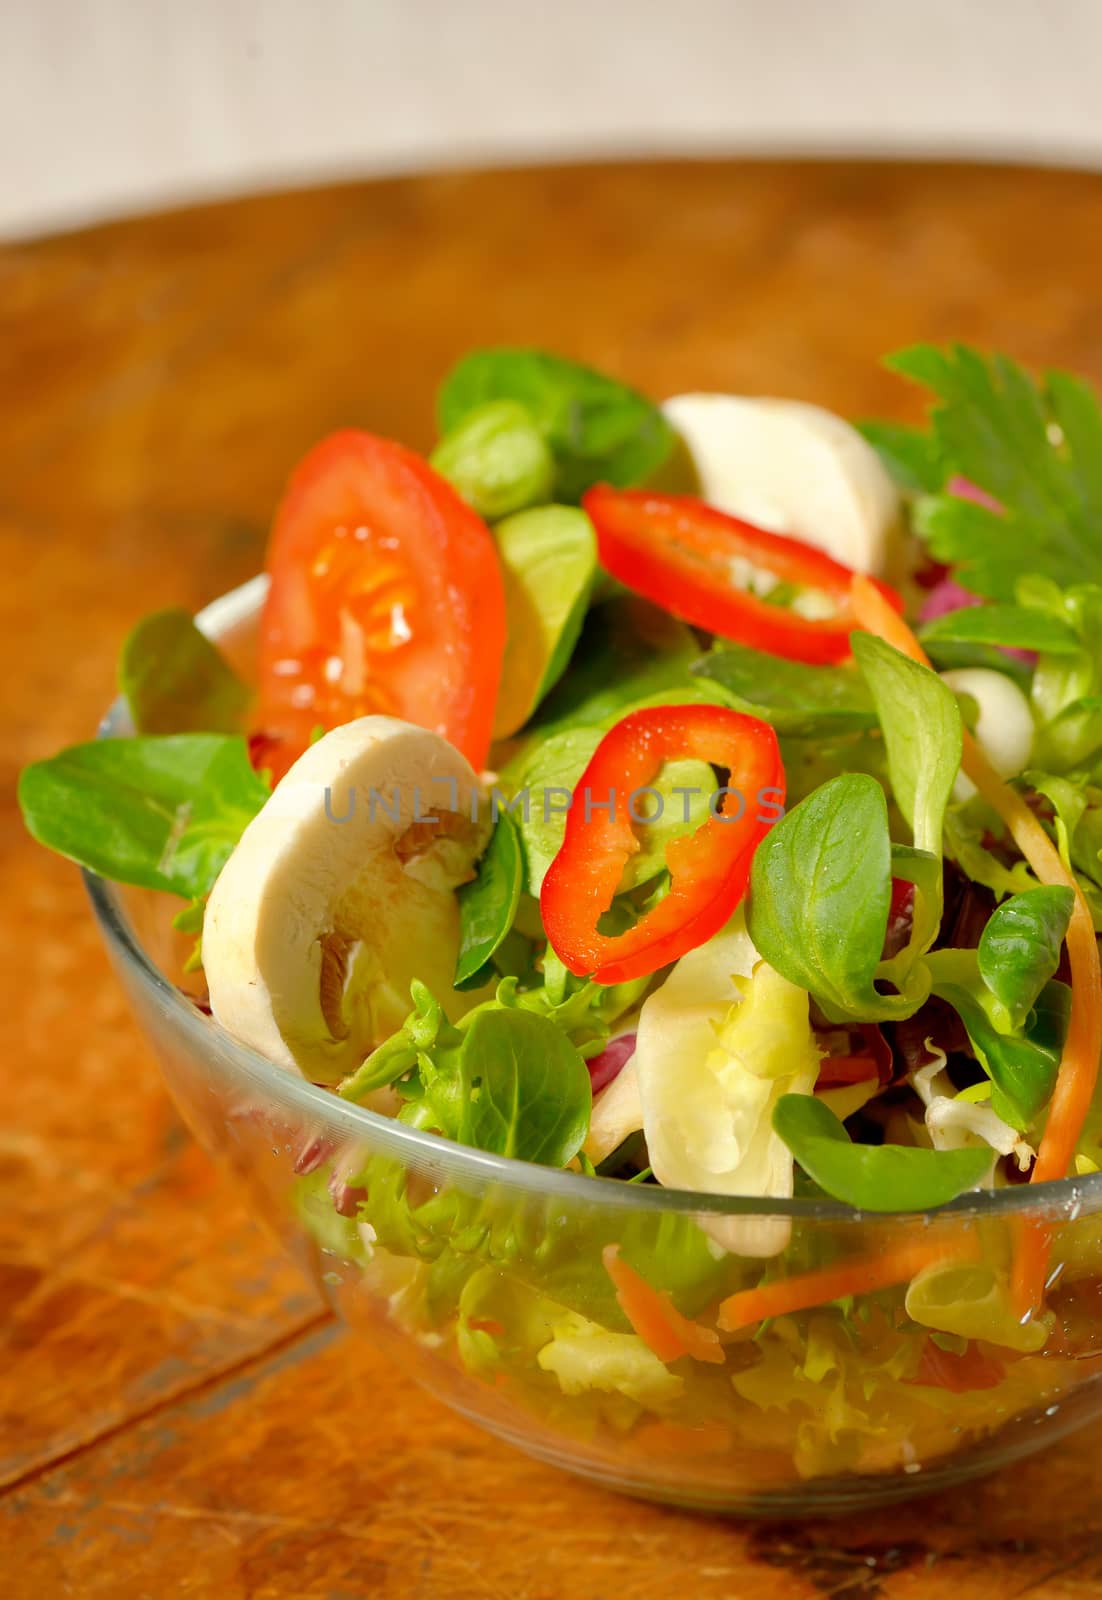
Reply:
x=706, y=795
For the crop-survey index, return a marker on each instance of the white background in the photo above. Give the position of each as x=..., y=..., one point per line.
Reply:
x=107, y=106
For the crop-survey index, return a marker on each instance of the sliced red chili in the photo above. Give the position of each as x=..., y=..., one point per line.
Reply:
x=709, y=868
x=687, y=557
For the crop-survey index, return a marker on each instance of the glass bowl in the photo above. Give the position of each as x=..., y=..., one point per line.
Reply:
x=486, y=1279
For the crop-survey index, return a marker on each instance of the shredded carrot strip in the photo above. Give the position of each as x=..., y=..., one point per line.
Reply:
x=873, y=614
x=654, y=1316
x=859, y=1275
x=1078, y=1073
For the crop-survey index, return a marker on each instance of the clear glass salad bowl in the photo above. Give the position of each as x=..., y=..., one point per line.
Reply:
x=487, y=1279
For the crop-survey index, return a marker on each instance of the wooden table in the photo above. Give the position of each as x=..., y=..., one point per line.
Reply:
x=180, y=1416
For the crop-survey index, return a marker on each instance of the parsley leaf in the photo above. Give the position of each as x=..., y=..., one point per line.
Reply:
x=909, y=455
x=1035, y=446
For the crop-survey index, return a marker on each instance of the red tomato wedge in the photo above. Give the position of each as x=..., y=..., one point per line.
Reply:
x=694, y=561
x=386, y=596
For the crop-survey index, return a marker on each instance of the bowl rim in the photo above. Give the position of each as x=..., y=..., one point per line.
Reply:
x=206, y=1036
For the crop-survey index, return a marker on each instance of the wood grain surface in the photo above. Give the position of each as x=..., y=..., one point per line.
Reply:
x=179, y=1414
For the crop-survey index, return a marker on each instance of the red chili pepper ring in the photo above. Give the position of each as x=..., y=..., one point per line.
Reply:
x=709, y=869
x=684, y=555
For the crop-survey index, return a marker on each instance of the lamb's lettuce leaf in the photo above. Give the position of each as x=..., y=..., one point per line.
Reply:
x=497, y=459
x=799, y=700
x=161, y=811
x=176, y=681
x=488, y=905
x=628, y=651
x=511, y=1083
x=881, y=1177
x=508, y=1079
x=921, y=724
x=820, y=896
x=1020, y=1054
x=598, y=430
x=1019, y=949
x=548, y=564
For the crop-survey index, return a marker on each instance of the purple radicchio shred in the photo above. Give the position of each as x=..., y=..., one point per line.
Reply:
x=314, y=1152
x=606, y=1066
x=347, y=1198
x=968, y=906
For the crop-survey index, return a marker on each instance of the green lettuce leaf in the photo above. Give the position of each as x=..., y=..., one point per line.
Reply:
x=798, y=700
x=628, y=651
x=921, y=723
x=162, y=812
x=497, y=459
x=508, y=1079
x=1019, y=949
x=585, y=1356
x=176, y=681
x=548, y=563
x=488, y=905
x=883, y=1177
x=528, y=1245
x=820, y=896
x=964, y=843
x=972, y=1299
x=598, y=430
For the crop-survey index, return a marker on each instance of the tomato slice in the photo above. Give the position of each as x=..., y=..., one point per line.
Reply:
x=694, y=561
x=386, y=596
